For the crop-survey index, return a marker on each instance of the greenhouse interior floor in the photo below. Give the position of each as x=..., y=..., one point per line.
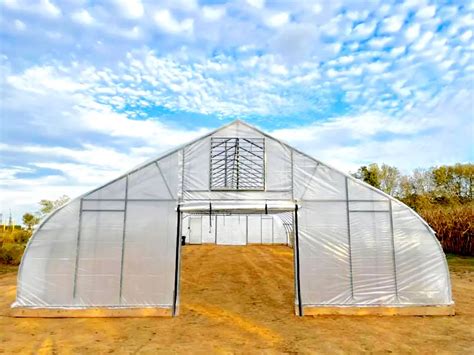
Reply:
x=240, y=299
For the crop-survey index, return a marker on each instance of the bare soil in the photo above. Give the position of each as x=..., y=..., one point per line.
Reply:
x=240, y=300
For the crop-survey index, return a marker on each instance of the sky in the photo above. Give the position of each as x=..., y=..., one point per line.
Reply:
x=89, y=89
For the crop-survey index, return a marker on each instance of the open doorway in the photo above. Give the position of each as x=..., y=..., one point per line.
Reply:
x=239, y=263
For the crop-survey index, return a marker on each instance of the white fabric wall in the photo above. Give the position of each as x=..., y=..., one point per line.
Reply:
x=360, y=247
x=124, y=249
x=238, y=229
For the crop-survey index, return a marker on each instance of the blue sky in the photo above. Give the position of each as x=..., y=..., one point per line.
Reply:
x=92, y=88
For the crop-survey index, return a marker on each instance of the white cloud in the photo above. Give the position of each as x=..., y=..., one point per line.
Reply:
x=317, y=8
x=380, y=42
x=466, y=36
x=397, y=51
x=364, y=29
x=426, y=12
x=166, y=22
x=213, y=13
x=278, y=69
x=277, y=20
x=412, y=32
x=82, y=17
x=423, y=41
x=44, y=8
x=259, y=4
x=392, y=24
x=132, y=9
x=19, y=25
x=49, y=9
x=377, y=67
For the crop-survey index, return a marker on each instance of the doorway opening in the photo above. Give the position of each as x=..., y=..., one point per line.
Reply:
x=238, y=262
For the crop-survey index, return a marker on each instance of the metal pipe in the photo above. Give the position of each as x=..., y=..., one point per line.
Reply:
x=297, y=264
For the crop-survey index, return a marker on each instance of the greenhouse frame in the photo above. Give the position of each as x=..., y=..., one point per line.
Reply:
x=116, y=250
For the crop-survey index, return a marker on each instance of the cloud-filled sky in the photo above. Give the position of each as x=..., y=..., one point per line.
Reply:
x=89, y=89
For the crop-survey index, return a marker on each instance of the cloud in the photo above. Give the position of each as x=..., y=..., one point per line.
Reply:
x=213, y=13
x=259, y=4
x=83, y=17
x=165, y=20
x=20, y=25
x=350, y=82
x=426, y=12
x=412, y=32
x=364, y=30
x=392, y=24
x=277, y=20
x=132, y=9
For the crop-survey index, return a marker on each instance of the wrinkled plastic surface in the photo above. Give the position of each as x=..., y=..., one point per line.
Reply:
x=116, y=246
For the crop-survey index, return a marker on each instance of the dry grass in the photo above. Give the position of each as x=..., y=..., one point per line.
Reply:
x=454, y=226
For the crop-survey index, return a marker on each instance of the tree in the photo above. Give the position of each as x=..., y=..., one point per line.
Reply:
x=30, y=220
x=47, y=206
x=369, y=174
x=389, y=178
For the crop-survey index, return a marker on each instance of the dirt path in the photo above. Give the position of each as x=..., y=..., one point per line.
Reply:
x=239, y=299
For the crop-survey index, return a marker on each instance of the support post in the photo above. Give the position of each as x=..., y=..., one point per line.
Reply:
x=78, y=244
x=349, y=237
x=393, y=250
x=123, y=238
x=176, y=261
x=297, y=264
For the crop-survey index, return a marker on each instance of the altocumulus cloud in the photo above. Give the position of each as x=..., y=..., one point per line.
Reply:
x=89, y=89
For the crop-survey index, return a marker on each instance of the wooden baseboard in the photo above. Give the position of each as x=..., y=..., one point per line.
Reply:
x=89, y=312
x=379, y=311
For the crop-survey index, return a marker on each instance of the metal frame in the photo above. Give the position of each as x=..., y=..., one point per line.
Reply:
x=123, y=238
x=297, y=264
x=349, y=237
x=177, y=261
x=237, y=164
x=394, y=253
x=181, y=151
x=74, y=289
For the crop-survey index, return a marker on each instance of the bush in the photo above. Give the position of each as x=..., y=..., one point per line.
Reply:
x=12, y=245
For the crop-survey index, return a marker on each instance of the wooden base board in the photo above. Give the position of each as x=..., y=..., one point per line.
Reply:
x=379, y=311
x=89, y=312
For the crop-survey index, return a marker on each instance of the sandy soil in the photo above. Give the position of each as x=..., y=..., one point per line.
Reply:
x=239, y=300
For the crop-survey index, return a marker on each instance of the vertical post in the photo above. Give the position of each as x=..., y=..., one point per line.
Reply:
x=237, y=160
x=225, y=164
x=183, y=161
x=292, y=176
x=210, y=217
x=176, y=261
x=123, y=238
x=297, y=264
x=215, y=230
x=393, y=250
x=78, y=244
x=273, y=229
x=349, y=238
x=246, y=229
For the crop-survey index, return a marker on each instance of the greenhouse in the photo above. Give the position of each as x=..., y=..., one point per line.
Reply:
x=116, y=250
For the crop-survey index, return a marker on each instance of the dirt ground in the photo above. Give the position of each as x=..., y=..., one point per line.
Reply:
x=239, y=300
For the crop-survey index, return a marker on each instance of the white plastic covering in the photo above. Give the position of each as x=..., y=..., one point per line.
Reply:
x=117, y=246
x=236, y=229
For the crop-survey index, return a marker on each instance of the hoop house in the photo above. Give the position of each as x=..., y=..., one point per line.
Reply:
x=115, y=251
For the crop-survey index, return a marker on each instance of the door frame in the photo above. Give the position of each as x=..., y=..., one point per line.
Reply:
x=177, y=273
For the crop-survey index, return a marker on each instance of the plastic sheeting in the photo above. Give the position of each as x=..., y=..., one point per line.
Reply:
x=237, y=229
x=117, y=246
